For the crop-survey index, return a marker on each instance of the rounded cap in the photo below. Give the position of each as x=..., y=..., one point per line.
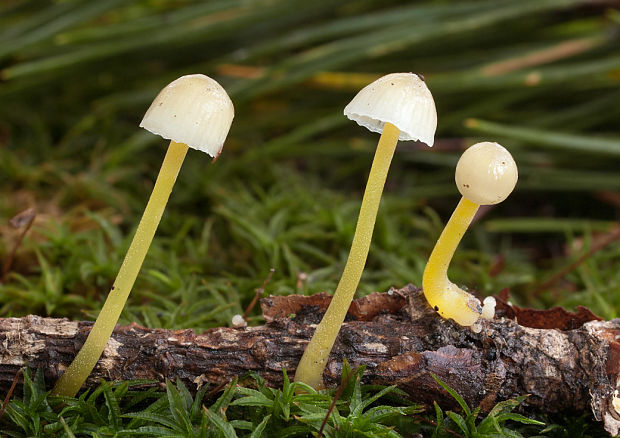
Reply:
x=486, y=173
x=403, y=99
x=194, y=110
x=488, y=308
x=239, y=321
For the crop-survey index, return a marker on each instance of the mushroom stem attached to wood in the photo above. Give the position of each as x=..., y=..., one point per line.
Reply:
x=485, y=174
x=193, y=111
x=400, y=106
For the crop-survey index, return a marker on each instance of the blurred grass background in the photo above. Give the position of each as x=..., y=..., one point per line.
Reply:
x=539, y=76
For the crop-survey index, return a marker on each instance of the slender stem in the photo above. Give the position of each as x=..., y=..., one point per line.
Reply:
x=74, y=377
x=448, y=300
x=310, y=368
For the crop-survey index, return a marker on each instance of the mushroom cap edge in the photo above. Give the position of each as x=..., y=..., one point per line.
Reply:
x=193, y=109
x=402, y=99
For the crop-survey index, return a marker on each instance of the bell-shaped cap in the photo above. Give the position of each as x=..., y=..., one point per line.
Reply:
x=486, y=173
x=403, y=99
x=194, y=110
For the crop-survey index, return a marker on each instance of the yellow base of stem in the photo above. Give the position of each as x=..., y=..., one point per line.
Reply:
x=310, y=368
x=75, y=376
x=448, y=299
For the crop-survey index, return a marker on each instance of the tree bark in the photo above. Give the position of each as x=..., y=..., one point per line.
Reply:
x=564, y=361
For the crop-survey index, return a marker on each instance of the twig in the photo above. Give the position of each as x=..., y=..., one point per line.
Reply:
x=259, y=292
x=10, y=392
x=26, y=217
x=399, y=338
x=432, y=423
x=563, y=50
x=333, y=403
x=217, y=389
x=607, y=240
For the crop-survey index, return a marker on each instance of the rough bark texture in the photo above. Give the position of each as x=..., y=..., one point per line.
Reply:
x=395, y=334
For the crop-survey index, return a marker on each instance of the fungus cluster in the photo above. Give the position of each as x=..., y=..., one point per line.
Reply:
x=192, y=111
x=195, y=111
x=400, y=106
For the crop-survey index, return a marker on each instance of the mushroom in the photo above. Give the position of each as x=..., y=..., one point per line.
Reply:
x=399, y=106
x=238, y=321
x=485, y=174
x=488, y=308
x=192, y=111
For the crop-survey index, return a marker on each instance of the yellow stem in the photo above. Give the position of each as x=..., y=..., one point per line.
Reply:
x=74, y=377
x=445, y=297
x=310, y=368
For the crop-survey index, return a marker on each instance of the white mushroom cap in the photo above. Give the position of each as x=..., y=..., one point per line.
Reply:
x=486, y=173
x=403, y=99
x=239, y=321
x=194, y=110
x=488, y=308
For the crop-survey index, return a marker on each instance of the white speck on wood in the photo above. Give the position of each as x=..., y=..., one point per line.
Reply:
x=229, y=336
x=375, y=346
x=64, y=328
x=109, y=358
x=200, y=381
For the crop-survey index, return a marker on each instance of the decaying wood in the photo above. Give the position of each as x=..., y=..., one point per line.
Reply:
x=395, y=334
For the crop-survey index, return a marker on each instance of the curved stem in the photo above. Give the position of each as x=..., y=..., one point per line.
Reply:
x=445, y=297
x=74, y=377
x=310, y=368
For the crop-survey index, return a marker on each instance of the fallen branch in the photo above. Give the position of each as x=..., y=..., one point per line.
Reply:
x=395, y=334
